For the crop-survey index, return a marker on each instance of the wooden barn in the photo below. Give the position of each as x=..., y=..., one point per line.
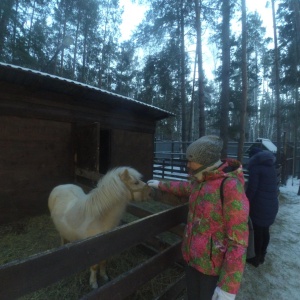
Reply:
x=54, y=131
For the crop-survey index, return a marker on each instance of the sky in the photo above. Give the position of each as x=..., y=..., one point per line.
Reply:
x=132, y=16
x=265, y=12
x=134, y=13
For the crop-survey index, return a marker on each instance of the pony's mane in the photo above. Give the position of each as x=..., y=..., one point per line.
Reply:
x=110, y=190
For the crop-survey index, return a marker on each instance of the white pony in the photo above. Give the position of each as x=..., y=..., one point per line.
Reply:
x=77, y=215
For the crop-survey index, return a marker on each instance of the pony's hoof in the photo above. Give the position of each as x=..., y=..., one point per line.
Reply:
x=94, y=285
x=104, y=279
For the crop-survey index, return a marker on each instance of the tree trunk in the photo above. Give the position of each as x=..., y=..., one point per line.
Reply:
x=277, y=95
x=224, y=100
x=244, y=84
x=30, y=27
x=198, y=6
x=182, y=74
x=75, y=48
x=192, y=120
x=4, y=20
x=14, y=39
x=296, y=9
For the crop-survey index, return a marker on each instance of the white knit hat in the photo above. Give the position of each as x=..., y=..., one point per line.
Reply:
x=206, y=150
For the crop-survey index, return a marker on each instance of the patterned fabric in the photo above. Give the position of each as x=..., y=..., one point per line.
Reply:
x=215, y=242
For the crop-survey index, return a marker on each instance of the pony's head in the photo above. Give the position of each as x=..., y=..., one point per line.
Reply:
x=138, y=189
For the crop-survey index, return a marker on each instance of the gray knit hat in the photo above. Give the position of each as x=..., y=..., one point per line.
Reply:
x=206, y=150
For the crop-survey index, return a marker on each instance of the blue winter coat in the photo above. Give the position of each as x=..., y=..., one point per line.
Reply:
x=262, y=189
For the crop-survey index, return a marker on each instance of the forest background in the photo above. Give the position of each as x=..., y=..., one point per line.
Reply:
x=254, y=91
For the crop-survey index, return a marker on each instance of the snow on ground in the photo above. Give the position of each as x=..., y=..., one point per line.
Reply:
x=279, y=277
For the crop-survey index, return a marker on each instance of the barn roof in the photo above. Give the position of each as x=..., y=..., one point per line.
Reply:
x=28, y=77
x=264, y=144
x=267, y=144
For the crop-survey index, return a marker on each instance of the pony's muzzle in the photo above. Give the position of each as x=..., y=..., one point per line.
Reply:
x=148, y=193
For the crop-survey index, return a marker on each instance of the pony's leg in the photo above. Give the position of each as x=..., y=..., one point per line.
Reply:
x=93, y=277
x=102, y=267
x=63, y=241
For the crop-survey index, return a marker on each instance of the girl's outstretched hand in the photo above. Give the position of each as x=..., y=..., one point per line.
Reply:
x=153, y=183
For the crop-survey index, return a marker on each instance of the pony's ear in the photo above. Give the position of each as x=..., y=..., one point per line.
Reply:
x=125, y=175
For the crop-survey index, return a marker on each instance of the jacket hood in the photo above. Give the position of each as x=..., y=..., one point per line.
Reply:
x=254, y=150
x=262, y=158
x=229, y=168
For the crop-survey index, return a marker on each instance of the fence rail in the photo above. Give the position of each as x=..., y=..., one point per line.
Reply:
x=167, y=168
x=19, y=278
x=289, y=161
x=170, y=168
x=175, y=169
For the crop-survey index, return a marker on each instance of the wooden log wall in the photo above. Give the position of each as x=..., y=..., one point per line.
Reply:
x=135, y=149
x=35, y=156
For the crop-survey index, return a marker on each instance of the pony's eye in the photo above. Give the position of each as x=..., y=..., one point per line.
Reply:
x=137, y=182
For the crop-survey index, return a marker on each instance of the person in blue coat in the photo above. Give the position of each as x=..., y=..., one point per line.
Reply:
x=262, y=192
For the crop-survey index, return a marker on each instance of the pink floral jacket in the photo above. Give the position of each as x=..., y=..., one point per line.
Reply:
x=216, y=235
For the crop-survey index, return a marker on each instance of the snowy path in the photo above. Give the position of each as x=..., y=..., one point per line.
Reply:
x=279, y=277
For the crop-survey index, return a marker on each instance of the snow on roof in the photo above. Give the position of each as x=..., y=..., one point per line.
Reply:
x=164, y=113
x=268, y=144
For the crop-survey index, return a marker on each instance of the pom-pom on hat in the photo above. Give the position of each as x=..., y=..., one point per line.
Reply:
x=206, y=150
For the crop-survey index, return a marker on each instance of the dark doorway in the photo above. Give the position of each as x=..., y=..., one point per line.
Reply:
x=105, y=151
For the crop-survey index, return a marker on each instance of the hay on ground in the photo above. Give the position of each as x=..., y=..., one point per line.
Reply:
x=30, y=236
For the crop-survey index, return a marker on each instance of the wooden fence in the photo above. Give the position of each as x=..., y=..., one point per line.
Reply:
x=289, y=162
x=175, y=169
x=22, y=277
x=19, y=278
x=169, y=168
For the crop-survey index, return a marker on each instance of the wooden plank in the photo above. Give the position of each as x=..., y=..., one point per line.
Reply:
x=138, y=211
x=92, y=175
x=156, y=242
x=35, y=156
x=14, y=128
x=133, y=149
x=87, y=146
x=173, y=290
x=168, y=198
x=74, y=113
x=129, y=282
x=51, y=266
x=142, y=212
